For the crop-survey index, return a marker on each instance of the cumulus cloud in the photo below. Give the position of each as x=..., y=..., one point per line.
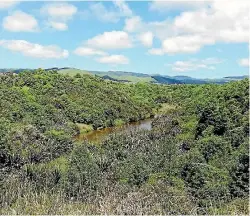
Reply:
x=244, y=62
x=185, y=44
x=182, y=44
x=146, y=38
x=191, y=30
x=133, y=24
x=123, y=7
x=34, y=50
x=58, y=25
x=103, y=13
x=63, y=11
x=113, y=59
x=111, y=40
x=58, y=14
x=87, y=51
x=223, y=22
x=7, y=4
x=166, y=6
x=195, y=64
x=20, y=21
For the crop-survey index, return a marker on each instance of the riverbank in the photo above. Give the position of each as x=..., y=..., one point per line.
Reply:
x=88, y=133
x=99, y=135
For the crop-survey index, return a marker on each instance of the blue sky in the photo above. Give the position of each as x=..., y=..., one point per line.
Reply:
x=199, y=39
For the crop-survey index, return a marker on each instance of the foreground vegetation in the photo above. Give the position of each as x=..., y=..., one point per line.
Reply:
x=195, y=159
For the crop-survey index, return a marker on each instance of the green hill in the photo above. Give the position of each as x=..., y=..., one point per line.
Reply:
x=123, y=76
x=131, y=77
x=73, y=72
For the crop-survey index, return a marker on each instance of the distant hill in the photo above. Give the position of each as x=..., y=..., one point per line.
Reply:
x=113, y=79
x=166, y=80
x=134, y=77
x=124, y=76
x=236, y=77
x=121, y=76
x=14, y=70
x=72, y=71
x=190, y=80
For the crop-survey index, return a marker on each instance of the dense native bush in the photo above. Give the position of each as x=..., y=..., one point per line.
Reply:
x=54, y=98
x=195, y=160
x=40, y=111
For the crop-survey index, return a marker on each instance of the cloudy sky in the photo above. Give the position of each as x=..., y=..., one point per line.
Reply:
x=193, y=38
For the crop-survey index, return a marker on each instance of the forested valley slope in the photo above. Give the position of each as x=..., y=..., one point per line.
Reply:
x=194, y=160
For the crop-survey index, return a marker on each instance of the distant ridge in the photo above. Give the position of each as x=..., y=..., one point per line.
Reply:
x=166, y=80
x=134, y=77
x=237, y=77
x=113, y=79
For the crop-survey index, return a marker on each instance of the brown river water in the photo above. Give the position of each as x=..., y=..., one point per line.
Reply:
x=99, y=135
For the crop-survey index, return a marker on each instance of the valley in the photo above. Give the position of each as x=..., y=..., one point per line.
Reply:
x=83, y=144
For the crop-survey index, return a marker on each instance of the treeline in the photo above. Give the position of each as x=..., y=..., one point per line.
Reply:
x=40, y=111
x=195, y=160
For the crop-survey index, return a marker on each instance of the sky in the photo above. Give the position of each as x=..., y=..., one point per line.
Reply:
x=202, y=39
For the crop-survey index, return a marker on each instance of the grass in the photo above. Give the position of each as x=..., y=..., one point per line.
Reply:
x=44, y=203
x=73, y=72
x=131, y=78
x=235, y=207
x=119, y=122
x=138, y=201
x=166, y=108
x=84, y=128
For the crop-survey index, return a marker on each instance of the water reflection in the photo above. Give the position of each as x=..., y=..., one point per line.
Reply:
x=99, y=135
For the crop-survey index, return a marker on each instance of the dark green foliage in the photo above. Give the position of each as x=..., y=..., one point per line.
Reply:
x=240, y=177
x=213, y=146
x=39, y=109
x=195, y=160
x=84, y=174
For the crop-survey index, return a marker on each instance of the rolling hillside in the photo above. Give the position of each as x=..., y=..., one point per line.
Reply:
x=123, y=76
x=133, y=77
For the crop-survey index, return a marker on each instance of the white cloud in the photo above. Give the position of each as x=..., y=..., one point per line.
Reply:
x=195, y=64
x=133, y=24
x=146, y=38
x=58, y=14
x=113, y=59
x=212, y=61
x=86, y=51
x=223, y=22
x=7, y=4
x=58, y=25
x=166, y=6
x=191, y=30
x=20, y=21
x=185, y=44
x=244, y=62
x=111, y=40
x=103, y=13
x=63, y=11
x=34, y=50
x=123, y=7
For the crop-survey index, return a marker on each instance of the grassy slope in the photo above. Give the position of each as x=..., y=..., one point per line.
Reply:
x=73, y=72
x=132, y=78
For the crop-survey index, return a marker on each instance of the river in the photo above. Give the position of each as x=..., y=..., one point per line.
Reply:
x=99, y=135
